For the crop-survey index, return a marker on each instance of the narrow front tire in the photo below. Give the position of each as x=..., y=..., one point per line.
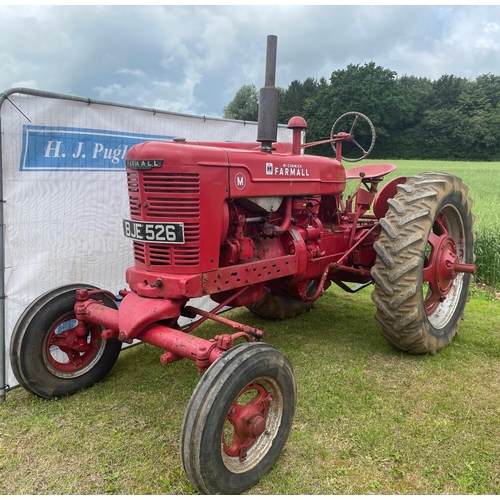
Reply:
x=238, y=419
x=46, y=357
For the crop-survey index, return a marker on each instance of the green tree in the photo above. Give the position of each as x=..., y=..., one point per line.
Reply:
x=491, y=86
x=369, y=89
x=447, y=90
x=245, y=105
x=473, y=101
x=292, y=99
x=449, y=118
x=417, y=93
x=440, y=134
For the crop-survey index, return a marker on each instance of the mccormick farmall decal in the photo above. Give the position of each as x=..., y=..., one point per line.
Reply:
x=287, y=170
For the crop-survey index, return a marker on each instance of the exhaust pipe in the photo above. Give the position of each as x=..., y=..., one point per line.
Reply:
x=267, y=127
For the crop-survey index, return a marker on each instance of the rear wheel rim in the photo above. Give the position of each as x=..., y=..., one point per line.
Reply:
x=442, y=285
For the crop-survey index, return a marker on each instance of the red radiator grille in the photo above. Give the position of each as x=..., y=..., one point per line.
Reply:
x=165, y=255
x=139, y=252
x=172, y=197
x=133, y=193
x=173, y=207
x=159, y=255
x=191, y=232
x=167, y=182
x=186, y=256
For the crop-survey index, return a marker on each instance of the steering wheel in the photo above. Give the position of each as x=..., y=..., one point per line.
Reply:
x=368, y=134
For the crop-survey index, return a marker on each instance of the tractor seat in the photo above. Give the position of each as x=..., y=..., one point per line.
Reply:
x=370, y=171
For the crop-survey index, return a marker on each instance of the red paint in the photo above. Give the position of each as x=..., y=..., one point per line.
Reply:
x=72, y=349
x=248, y=421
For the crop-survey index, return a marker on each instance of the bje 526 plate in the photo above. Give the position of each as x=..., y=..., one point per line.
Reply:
x=154, y=232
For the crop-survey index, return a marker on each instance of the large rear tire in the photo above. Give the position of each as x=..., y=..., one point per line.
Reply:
x=426, y=235
x=238, y=419
x=45, y=357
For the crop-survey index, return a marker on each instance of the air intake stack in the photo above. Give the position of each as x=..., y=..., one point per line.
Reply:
x=269, y=100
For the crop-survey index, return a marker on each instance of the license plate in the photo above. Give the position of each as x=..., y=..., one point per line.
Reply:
x=154, y=232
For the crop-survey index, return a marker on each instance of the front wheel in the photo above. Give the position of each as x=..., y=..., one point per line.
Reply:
x=47, y=358
x=424, y=263
x=238, y=419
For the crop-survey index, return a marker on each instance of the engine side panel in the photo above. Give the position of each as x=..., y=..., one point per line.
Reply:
x=261, y=174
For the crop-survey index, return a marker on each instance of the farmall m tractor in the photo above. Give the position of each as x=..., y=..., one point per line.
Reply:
x=265, y=227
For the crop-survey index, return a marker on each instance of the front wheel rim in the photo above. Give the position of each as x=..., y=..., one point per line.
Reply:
x=64, y=355
x=250, y=428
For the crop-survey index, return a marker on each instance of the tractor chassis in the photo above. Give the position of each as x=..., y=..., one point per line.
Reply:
x=178, y=343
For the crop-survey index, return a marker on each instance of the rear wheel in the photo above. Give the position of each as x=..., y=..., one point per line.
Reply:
x=424, y=263
x=47, y=358
x=238, y=419
x=272, y=306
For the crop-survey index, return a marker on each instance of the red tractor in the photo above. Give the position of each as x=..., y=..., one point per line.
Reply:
x=266, y=227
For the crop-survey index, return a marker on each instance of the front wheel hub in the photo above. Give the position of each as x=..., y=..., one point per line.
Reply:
x=247, y=421
x=256, y=425
x=67, y=352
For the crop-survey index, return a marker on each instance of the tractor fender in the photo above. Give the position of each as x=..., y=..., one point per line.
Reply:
x=380, y=205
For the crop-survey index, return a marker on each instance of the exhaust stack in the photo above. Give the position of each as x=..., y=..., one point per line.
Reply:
x=267, y=127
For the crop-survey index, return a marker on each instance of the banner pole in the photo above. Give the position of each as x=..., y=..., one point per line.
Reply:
x=3, y=386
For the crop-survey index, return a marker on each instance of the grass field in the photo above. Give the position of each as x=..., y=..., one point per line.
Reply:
x=369, y=419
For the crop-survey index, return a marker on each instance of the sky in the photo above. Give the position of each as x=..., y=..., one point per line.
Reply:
x=193, y=58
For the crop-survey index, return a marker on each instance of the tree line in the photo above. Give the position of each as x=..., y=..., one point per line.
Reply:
x=452, y=118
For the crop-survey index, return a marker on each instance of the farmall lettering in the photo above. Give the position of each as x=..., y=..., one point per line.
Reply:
x=291, y=170
x=287, y=170
x=197, y=234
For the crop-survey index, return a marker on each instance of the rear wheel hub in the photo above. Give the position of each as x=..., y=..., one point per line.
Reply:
x=442, y=265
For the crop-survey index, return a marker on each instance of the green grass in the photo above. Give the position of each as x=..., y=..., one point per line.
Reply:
x=369, y=419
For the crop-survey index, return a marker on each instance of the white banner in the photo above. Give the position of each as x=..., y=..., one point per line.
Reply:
x=65, y=191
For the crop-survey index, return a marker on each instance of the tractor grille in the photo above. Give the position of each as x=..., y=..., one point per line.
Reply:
x=133, y=194
x=167, y=196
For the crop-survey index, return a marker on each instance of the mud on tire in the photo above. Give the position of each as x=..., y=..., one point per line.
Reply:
x=419, y=303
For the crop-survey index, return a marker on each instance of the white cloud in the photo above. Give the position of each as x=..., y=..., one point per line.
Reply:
x=133, y=72
x=110, y=90
x=30, y=84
